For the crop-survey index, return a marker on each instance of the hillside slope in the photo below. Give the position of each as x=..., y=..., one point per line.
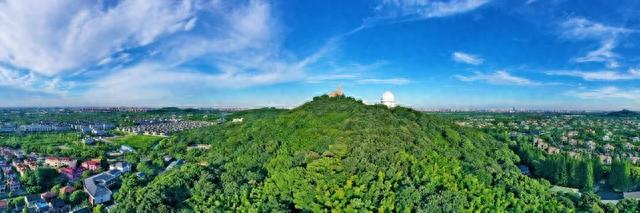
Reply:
x=339, y=154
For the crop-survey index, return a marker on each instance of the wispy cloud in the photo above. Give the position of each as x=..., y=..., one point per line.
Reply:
x=428, y=9
x=632, y=74
x=603, y=54
x=499, y=77
x=582, y=28
x=153, y=84
x=329, y=77
x=579, y=28
x=393, y=81
x=466, y=58
x=396, y=11
x=610, y=92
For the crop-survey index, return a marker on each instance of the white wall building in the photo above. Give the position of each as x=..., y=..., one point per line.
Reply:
x=388, y=99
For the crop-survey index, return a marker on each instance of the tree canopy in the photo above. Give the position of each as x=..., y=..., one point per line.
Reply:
x=339, y=154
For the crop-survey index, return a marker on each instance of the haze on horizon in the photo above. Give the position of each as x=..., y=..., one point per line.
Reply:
x=531, y=54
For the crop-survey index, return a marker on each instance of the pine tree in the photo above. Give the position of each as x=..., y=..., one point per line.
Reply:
x=587, y=176
x=620, y=174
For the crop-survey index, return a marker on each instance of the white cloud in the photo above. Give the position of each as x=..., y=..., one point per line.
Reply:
x=393, y=81
x=579, y=28
x=466, y=58
x=394, y=11
x=31, y=82
x=152, y=84
x=429, y=9
x=329, y=77
x=582, y=28
x=499, y=77
x=603, y=54
x=632, y=74
x=142, y=53
x=609, y=92
x=50, y=37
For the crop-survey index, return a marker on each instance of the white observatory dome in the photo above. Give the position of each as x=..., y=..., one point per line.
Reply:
x=388, y=99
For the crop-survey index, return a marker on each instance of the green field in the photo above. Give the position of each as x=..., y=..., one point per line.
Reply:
x=138, y=141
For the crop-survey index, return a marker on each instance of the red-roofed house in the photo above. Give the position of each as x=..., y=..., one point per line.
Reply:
x=67, y=189
x=92, y=165
x=69, y=173
x=48, y=195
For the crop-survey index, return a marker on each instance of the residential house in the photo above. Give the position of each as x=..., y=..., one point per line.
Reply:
x=67, y=189
x=123, y=167
x=553, y=150
x=605, y=159
x=69, y=173
x=97, y=186
x=58, y=206
x=13, y=184
x=36, y=203
x=92, y=165
x=60, y=162
x=48, y=196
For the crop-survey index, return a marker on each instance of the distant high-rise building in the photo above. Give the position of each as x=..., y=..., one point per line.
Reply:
x=388, y=99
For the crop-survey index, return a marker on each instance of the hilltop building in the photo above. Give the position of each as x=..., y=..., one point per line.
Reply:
x=388, y=99
x=336, y=93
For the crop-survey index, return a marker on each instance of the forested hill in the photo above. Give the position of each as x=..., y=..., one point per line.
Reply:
x=623, y=113
x=339, y=154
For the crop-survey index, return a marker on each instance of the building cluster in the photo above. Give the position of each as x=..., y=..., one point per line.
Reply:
x=97, y=129
x=575, y=135
x=110, y=109
x=97, y=187
x=164, y=128
x=35, y=127
x=45, y=202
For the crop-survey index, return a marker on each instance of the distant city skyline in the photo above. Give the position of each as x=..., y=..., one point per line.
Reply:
x=458, y=54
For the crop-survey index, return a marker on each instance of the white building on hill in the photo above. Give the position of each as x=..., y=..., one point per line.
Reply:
x=388, y=99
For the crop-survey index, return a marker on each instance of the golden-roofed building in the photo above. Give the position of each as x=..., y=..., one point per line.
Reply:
x=336, y=93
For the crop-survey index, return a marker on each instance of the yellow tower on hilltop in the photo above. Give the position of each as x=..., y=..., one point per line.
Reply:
x=336, y=93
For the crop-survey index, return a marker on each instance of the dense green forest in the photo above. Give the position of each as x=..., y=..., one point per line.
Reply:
x=338, y=154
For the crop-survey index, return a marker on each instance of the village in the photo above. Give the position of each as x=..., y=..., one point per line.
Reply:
x=575, y=135
x=163, y=127
x=33, y=181
x=16, y=164
x=612, y=141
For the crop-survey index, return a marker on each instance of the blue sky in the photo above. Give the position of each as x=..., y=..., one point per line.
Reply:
x=534, y=54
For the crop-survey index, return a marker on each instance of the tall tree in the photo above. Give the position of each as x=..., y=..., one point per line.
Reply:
x=620, y=174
